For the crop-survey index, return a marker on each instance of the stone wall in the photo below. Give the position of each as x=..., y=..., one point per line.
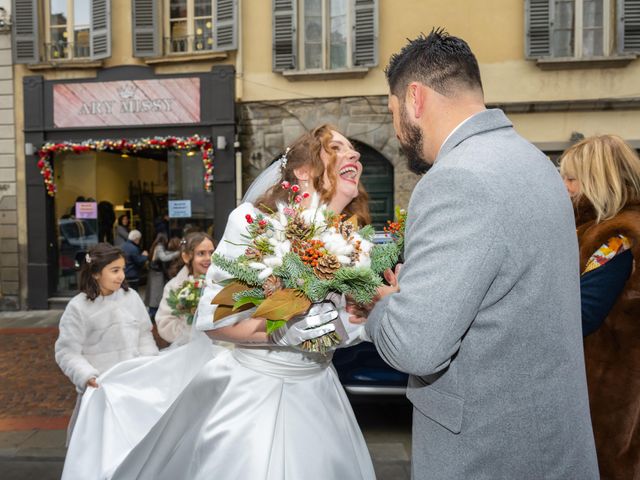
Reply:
x=266, y=128
x=9, y=277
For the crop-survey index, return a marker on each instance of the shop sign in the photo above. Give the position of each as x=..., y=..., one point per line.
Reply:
x=86, y=210
x=129, y=102
x=179, y=208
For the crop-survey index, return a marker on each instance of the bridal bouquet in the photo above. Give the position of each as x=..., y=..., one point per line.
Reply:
x=184, y=300
x=294, y=257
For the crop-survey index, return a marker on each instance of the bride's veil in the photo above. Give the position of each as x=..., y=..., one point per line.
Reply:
x=267, y=179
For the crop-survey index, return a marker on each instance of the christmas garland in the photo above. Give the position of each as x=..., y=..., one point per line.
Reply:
x=125, y=146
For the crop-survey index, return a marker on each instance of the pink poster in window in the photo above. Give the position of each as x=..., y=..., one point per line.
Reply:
x=127, y=102
x=86, y=210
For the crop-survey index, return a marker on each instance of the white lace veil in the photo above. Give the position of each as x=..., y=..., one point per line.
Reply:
x=269, y=177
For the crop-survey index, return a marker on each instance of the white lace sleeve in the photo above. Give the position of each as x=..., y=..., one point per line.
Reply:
x=232, y=245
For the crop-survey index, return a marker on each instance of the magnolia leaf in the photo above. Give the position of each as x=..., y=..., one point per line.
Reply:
x=273, y=325
x=254, y=301
x=225, y=296
x=283, y=305
x=223, y=311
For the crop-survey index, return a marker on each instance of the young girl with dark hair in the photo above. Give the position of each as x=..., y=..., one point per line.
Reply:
x=194, y=260
x=104, y=324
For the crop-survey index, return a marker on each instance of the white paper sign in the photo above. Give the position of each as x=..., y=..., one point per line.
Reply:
x=180, y=208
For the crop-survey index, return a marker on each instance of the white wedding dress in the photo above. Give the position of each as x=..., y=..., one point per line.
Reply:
x=244, y=413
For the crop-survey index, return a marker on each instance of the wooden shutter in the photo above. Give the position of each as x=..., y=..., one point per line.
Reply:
x=25, y=31
x=537, y=28
x=628, y=25
x=100, y=29
x=226, y=25
x=365, y=33
x=147, y=31
x=284, y=35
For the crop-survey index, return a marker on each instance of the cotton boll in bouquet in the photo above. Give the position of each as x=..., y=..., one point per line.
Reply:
x=295, y=257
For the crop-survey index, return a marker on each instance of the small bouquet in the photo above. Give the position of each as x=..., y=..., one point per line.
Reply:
x=295, y=257
x=184, y=300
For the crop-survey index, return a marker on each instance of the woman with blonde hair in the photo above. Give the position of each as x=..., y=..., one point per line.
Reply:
x=602, y=176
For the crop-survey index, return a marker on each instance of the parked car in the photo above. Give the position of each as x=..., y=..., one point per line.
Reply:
x=363, y=372
x=361, y=369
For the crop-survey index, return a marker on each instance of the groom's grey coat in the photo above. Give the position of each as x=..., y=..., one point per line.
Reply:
x=487, y=320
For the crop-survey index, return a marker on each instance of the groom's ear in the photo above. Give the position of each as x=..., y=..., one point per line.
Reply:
x=416, y=99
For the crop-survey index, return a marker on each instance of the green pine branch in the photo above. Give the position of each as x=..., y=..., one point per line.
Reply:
x=237, y=269
x=250, y=293
x=385, y=256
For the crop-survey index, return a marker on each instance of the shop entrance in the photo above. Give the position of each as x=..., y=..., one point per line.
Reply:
x=103, y=195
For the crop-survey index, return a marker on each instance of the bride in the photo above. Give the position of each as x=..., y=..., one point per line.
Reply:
x=263, y=409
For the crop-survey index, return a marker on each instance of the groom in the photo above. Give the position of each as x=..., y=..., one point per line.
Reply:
x=485, y=314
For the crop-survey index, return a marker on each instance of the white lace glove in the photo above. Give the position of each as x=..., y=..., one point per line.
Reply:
x=313, y=324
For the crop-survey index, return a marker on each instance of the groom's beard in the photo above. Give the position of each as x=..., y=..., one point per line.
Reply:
x=412, y=145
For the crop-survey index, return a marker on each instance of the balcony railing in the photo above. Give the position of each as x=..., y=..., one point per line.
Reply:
x=66, y=51
x=188, y=44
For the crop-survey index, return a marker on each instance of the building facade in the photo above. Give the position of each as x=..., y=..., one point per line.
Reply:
x=9, y=271
x=89, y=72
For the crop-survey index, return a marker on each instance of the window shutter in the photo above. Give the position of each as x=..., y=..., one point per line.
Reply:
x=100, y=29
x=284, y=35
x=628, y=26
x=365, y=33
x=538, y=28
x=146, y=28
x=25, y=31
x=226, y=25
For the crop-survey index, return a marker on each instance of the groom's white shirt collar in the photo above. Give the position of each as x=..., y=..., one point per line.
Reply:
x=454, y=131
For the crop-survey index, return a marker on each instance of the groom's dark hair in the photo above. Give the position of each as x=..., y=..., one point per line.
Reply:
x=440, y=61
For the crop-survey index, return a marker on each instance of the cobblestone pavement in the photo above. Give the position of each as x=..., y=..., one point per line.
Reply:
x=36, y=400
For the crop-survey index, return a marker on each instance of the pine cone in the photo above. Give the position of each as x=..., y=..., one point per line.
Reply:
x=327, y=266
x=297, y=229
x=252, y=253
x=271, y=285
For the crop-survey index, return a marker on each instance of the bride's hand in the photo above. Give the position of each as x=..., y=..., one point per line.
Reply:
x=315, y=323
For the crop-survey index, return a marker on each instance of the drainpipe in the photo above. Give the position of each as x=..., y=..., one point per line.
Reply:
x=239, y=57
x=236, y=145
x=239, y=92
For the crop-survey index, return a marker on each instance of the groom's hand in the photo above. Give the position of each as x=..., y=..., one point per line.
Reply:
x=358, y=312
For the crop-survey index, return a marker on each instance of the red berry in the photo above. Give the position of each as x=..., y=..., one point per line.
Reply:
x=305, y=195
x=295, y=188
x=285, y=185
x=249, y=218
